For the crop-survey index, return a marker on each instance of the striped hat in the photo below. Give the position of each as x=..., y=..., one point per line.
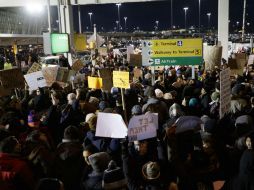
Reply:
x=113, y=177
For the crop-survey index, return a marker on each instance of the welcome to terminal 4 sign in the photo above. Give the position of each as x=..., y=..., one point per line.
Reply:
x=172, y=52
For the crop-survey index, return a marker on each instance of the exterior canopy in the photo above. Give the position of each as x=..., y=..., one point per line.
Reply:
x=21, y=3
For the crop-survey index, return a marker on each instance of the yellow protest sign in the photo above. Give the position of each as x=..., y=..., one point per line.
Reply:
x=15, y=49
x=95, y=82
x=80, y=42
x=121, y=79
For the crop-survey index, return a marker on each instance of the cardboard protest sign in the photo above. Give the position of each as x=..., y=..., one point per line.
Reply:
x=110, y=125
x=225, y=92
x=130, y=50
x=240, y=63
x=35, y=67
x=240, y=55
x=106, y=76
x=35, y=80
x=232, y=63
x=137, y=72
x=121, y=79
x=77, y=65
x=12, y=78
x=80, y=42
x=50, y=74
x=103, y=51
x=116, y=52
x=143, y=127
x=135, y=60
x=79, y=78
x=251, y=60
x=64, y=74
x=212, y=56
x=95, y=82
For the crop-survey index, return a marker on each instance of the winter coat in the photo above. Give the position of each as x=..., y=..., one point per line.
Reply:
x=15, y=173
x=245, y=180
x=69, y=164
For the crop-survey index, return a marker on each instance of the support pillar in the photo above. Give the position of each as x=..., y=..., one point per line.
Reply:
x=223, y=28
x=66, y=16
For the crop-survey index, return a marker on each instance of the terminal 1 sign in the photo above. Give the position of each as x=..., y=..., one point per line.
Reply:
x=172, y=52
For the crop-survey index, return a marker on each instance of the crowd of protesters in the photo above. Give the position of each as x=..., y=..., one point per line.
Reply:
x=48, y=142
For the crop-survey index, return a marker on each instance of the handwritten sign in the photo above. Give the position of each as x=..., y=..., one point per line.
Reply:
x=103, y=51
x=50, y=74
x=106, y=76
x=77, y=65
x=35, y=67
x=225, y=92
x=35, y=80
x=12, y=78
x=130, y=50
x=143, y=127
x=135, y=60
x=95, y=82
x=110, y=125
x=64, y=74
x=121, y=79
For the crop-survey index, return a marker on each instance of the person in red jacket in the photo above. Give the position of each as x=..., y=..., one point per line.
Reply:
x=15, y=173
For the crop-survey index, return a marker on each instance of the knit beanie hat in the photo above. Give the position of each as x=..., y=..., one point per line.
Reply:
x=8, y=144
x=148, y=76
x=168, y=96
x=103, y=105
x=99, y=161
x=92, y=121
x=88, y=116
x=215, y=96
x=193, y=102
x=49, y=184
x=209, y=124
x=71, y=133
x=158, y=93
x=94, y=101
x=136, y=110
x=151, y=170
x=33, y=119
x=243, y=124
x=113, y=177
x=114, y=90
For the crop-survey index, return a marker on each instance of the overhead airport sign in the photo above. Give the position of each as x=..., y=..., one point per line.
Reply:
x=59, y=43
x=172, y=52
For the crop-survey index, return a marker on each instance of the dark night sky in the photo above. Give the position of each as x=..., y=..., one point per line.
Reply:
x=144, y=14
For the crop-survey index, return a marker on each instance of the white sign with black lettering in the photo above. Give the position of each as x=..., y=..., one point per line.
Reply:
x=35, y=80
x=143, y=127
x=225, y=91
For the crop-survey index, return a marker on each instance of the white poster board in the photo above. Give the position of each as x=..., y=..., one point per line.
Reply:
x=251, y=60
x=212, y=56
x=35, y=80
x=143, y=127
x=225, y=92
x=130, y=50
x=110, y=125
